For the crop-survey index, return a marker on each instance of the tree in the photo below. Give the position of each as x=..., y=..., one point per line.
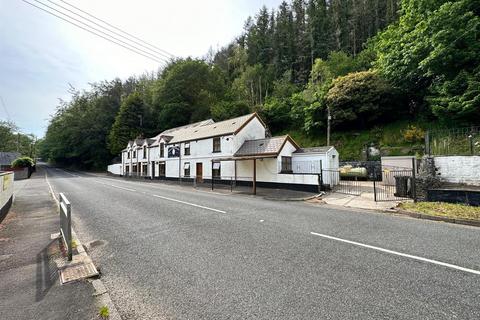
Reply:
x=432, y=49
x=127, y=125
x=360, y=99
x=284, y=39
x=186, y=91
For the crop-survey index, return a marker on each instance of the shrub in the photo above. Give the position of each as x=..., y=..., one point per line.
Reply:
x=23, y=162
x=413, y=134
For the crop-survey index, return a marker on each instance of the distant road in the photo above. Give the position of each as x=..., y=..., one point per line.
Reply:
x=168, y=252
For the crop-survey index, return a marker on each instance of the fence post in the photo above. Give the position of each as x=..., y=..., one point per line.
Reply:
x=212, y=181
x=231, y=184
x=320, y=177
x=414, y=180
x=375, y=183
x=427, y=142
x=66, y=223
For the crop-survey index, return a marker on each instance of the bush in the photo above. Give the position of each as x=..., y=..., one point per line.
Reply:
x=413, y=134
x=361, y=99
x=23, y=162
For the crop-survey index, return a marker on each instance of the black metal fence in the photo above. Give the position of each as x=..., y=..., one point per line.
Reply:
x=396, y=184
x=385, y=183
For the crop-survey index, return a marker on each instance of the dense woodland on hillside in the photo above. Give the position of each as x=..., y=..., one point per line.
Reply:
x=370, y=62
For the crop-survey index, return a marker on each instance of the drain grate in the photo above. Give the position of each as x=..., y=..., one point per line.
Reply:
x=77, y=272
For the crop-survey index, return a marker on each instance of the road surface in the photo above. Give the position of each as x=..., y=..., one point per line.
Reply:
x=170, y=252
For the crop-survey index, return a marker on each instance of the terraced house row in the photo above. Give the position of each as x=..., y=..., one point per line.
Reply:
x=237, y=149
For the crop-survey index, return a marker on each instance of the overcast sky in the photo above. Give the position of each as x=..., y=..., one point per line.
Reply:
x=40, y=54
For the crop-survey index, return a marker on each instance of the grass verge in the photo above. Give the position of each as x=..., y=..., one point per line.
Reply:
x=442, y=209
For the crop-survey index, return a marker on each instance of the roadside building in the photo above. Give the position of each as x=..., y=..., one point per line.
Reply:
x=237, y=149
x=6, y=159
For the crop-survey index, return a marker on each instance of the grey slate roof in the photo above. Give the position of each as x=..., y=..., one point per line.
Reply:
x=210, y=130
x=261, y=146
x=6, y=158
x=196, y=131
x=313, y=150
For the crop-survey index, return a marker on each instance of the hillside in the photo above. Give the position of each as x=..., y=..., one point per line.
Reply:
x=369, y=71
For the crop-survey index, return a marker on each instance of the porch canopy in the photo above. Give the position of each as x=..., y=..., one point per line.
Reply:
x=259, y=149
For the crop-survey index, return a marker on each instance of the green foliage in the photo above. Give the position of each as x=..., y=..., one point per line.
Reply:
x=186, y=91
x=359, y=99
x=229, y=109
x=23, y=162
x=127, y=123
x=104, y=312
x=434, y=52
x=414, y=134
x=12, y=140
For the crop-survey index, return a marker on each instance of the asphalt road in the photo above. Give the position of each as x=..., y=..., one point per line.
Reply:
x=169, y=252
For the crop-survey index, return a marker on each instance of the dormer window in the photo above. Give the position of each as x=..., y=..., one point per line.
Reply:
x=128, y=154
x=162, y=150
x=187, y=149
x=134, y=154
x=144, y=152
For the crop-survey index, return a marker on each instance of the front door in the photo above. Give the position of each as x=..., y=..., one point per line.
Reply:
x=161, y=169
x=199, y=172
x=153, y=169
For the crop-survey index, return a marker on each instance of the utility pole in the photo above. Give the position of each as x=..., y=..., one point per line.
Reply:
x=329, y=119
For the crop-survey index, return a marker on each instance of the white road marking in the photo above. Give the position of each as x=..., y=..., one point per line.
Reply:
x=444, y=264
x=123, y=188
x=188, y=203
x=50, y=187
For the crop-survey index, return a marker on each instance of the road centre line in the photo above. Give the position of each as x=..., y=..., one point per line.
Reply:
x=188, y=203
x=163, y=186
x=165, y=198
x=444, y=264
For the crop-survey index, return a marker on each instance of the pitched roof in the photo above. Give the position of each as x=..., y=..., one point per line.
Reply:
x=211, y=130
x=314, y=150
x=263, y=146
x=6, y=158
x=199, y=130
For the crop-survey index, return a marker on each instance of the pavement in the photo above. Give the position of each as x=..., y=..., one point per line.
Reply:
x=30, y=286
x=173, y=252
x=363, y=201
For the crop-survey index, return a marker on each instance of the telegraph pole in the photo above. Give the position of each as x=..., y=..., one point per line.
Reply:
x=329, y=118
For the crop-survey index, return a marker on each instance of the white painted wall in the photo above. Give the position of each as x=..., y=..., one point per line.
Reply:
x=6, y=187
x=252, y=131
x=459, y=169
x=116, y=169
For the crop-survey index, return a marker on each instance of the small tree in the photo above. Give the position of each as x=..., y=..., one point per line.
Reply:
x=360, y=99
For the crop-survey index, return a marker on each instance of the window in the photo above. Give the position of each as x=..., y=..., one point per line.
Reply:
x=186, y=169
x=162, y=150
x=187, y=149
x=144, y=170
x=216, y=170
x=128, y=154
x=134, y=154
x=286, y=165
x=174, y=152
x=216, y=144
x=144, y=152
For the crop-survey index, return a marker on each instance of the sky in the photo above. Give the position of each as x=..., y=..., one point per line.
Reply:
x=41, y=55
